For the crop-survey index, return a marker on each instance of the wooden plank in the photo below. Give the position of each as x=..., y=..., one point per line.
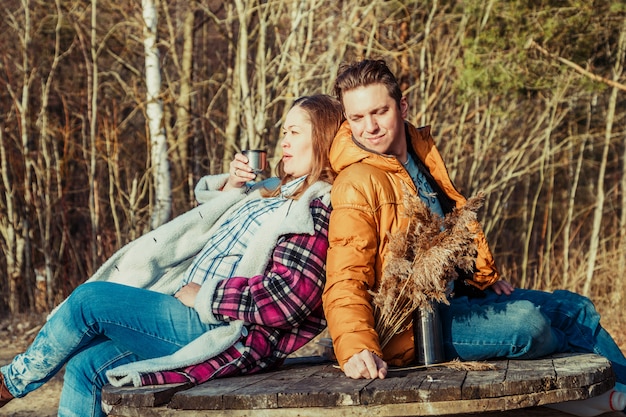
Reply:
x=304, y=390
x=485, y=384
x=434, y=384
x=242, y=392
x=149, y=396
x=266, y=395
x=210, y=396
x=527, y=412
x=521, y=378
x=156, y=395
x=533, y=412
x=583, y=368
x=330, y=389
x=444, y=384
x=401, y=387
x=459, y=409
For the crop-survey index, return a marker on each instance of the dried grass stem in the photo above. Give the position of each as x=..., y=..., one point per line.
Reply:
x=422, y=260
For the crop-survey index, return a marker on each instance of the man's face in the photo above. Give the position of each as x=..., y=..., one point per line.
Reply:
x=376, y=121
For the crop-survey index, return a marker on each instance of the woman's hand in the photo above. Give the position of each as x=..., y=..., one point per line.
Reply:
x=187, y=294
x=240, y=172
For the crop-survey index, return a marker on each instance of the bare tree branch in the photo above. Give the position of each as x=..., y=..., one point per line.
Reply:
x=612, y=83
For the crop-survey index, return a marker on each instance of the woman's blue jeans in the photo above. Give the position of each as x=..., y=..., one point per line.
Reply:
x=100, y=326
x=527, y=324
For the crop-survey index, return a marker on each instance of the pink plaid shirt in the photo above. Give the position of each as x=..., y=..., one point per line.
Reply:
x=282, y=309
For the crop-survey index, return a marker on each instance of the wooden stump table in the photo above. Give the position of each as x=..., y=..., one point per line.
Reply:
x=309, y=387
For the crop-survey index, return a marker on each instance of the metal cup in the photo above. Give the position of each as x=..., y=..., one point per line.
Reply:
x=257, y=159
x=428, y=336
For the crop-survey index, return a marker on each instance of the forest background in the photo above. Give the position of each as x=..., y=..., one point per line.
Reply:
x=527, y=102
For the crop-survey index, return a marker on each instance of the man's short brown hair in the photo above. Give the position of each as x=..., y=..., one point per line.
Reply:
x=364, y=73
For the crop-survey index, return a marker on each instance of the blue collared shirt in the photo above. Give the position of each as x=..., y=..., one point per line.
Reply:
x=424, y=190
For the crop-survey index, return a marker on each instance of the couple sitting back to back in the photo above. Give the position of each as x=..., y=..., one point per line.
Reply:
x=234, y=286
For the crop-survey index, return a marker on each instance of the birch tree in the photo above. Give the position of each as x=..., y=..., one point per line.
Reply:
x=233, y=94
x=17, y=227
x=48, y=172
x=244, y=11
x=154, y=114
x=89, y=138
x=12, y=243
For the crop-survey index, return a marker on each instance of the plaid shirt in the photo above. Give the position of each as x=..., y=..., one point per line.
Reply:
x=223, y=251
x=282, y=308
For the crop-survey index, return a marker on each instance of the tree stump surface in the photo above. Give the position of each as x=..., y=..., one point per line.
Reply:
x=309, y=387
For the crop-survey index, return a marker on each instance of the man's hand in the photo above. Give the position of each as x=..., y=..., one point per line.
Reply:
x=365, y=365
x=503, y=287
x=187, y=294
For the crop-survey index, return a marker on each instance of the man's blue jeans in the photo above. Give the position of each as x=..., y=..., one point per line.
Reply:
x=527, y=324
x=100, y=326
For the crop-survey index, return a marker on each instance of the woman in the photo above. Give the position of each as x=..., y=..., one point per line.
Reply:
x=246, y=270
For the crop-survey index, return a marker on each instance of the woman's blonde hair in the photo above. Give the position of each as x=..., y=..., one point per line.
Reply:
x=326, y=115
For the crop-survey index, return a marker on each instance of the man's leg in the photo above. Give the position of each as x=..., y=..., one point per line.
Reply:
x=494, y=327
x=577, y=320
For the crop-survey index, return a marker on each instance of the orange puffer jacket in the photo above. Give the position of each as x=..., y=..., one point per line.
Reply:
x=367, y=204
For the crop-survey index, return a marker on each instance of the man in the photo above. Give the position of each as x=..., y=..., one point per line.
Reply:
x=374, y=152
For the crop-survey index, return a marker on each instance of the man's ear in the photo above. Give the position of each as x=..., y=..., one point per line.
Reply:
x=404, y=107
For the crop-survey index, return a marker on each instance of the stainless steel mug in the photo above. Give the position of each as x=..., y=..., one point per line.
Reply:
x=257, y=159
x=428, y=336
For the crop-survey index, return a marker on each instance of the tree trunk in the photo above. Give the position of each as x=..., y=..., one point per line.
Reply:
x=600, y=195
x=13, y=241
x=241, y=72
x=154, y=113
x=423, y=70
x=571, y=202
x=233, y=97
x=621, y=263
x=594, y=246
x=22, y=243
x=48, y=176
x=178, y=136
x=183, y=117
x=94, y=208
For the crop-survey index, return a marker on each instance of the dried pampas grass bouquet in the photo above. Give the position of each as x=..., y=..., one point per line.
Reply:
x=422, y=261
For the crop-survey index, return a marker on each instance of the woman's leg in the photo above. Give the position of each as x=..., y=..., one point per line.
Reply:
x=85, y=376
x=490, y=327
x=146, y=323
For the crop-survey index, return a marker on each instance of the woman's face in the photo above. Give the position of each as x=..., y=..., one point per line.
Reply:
x=297, y=143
